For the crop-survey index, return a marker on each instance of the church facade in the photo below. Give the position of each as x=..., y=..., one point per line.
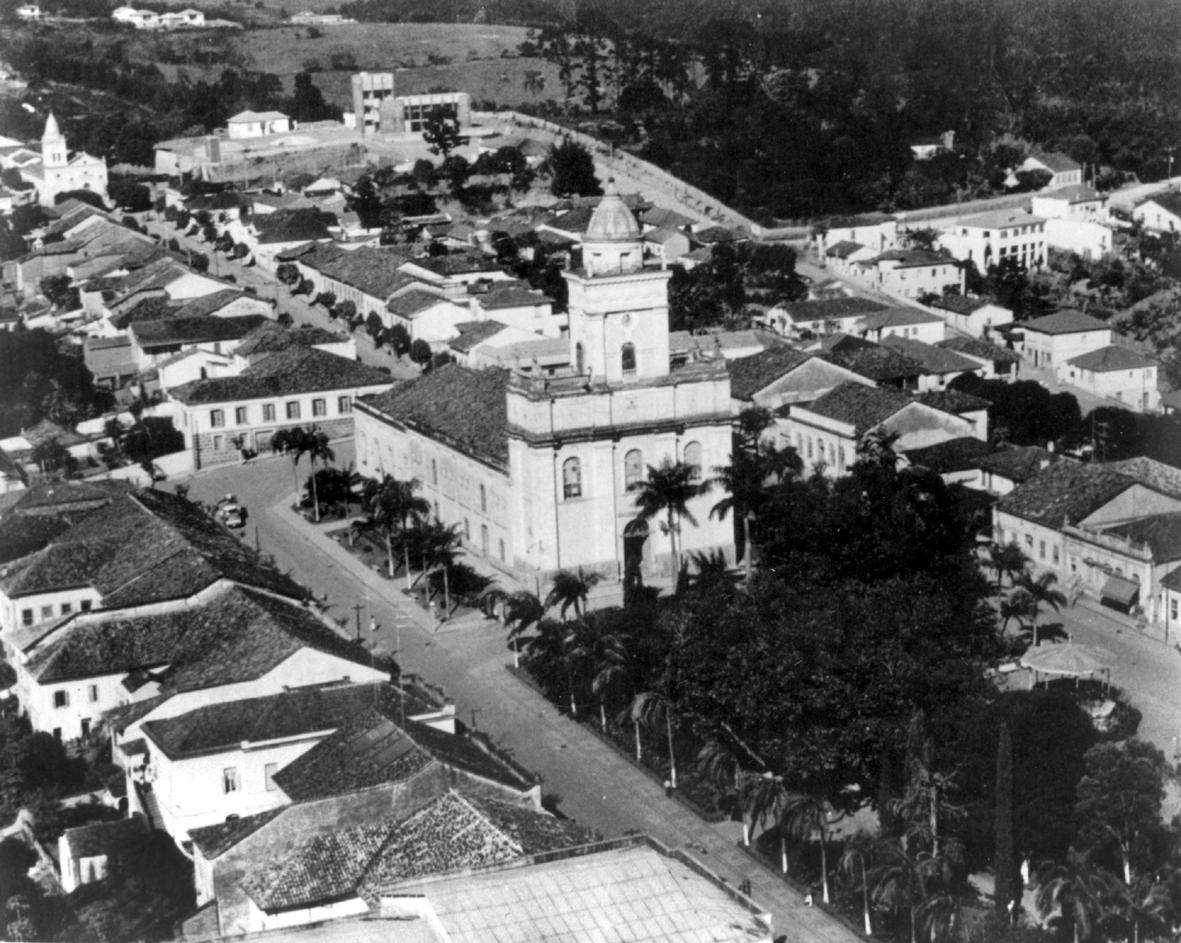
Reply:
x=540, y=473
x=60, y=172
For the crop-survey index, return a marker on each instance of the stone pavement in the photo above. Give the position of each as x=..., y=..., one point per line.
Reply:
x=591, y=782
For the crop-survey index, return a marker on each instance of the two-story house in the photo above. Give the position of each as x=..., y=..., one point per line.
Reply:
x=1052, y=340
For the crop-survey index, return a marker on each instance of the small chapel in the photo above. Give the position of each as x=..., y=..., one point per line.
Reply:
x=540, y=473
x=60, y=172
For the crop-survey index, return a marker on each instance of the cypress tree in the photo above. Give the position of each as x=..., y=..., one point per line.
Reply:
x=1004, y=861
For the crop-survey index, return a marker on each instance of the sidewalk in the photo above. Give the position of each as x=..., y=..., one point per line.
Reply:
x=591, y=782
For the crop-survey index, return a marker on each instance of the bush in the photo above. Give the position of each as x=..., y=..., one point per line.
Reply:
x=326, y=298
x=420, y=352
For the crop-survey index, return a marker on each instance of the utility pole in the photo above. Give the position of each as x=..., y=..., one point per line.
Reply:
x=357, y=611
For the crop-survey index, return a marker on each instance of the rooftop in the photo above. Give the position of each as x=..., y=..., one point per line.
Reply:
x=272, y=337
x=975, y=347
x=1000, y=219
x=102, y=838
x=1148, y=471
x=144, y=547
x=1074, y=193
x=474, y=333
x=935, y=360
x=875, y=362
x=843, y=249
x=749, y=375
x=195, y=330
x=955, y=402
x=1111, y=358
x=369, y=270
x=913, y=258
x=951, y=456
x=286, y=372
x=1064, y=492
x=858, y=405
x=463, y=408
x=300, y=225
x=411, y=303
x=1055, y=160
x=898, y=317
x=1169, y=200
x=1065, y=322
x=236, y=637
x=512, y=298
x=829, y=309
x=1018, y=463
x=1161, y=534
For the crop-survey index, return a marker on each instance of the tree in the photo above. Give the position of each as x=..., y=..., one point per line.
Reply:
x=296, y=442
x=648, y=709
x=803, y=817
x=1004, y=865
x=398, y=339
x=307, y=103
x=570, y=591
x=374, y=325
x=668, y=489
x=391, y=504
x=59, y=292
x=420, y=352
x=1077, y=896
x=1041, y=591
x=441, y=132
x=600, y=654
x=572, y=170
x=854, y=867
x=51, y=456
x=1119, y=801
x=1007, y=560
x=522, y=611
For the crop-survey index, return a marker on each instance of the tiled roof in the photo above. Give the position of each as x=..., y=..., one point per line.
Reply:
x=1018, y=463
x=875, y=362
x=975, y=347
x=247, y=116
x=293, y=225
x=68, y=496
x=459, y=407
x=749, y=375
x=215, y=840
x=1162, y=534
x=1111, y=358
x=1000, y=219
x=861, y=406
x=663, y=218
x=898, y=317
x=451, y=833
x=829, y=309
x=272, y=337
x=22, y=534
x=410, y=304
x=913, y=258
x=295, y=712
x=512, y=298
x=197, y=330
x=238, y=636
x=144, y=547
x=473, y=333
x=369, y=270
x=287, y=372
x=843, y=249
x=1065, y=322
x=865, y=219
x=950, y=456
x=935, y=360
x=1073, y=193
x=1056, y=161
x=103, y=838
x=1148, y=471
x=207, y=304
x=458, y=263
x=1064, y=492
x=151, y=308
x=955, y=402
x=1167, y=201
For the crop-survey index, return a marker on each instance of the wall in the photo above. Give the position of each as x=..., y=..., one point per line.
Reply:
x=1088, y=239
x=88, y=699
x=1134, y=389
x=1055, y=349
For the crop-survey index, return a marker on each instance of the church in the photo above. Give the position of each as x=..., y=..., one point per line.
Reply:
x=539, y=473
x=59, y=172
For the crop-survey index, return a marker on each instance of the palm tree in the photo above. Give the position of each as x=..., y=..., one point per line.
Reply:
x=1149, y=904
x=1041, y=592
x=761, y=796
x=599, y=654
x=1077, y=894
x=1019, y=606
x=858, y=857
x=903, y=882
x=647, y=709
x=390, y=504
x=803, y=817
x=570, y=590
x=522, y=611
x=297, y=442
x=669, y=488
x=1007, y=559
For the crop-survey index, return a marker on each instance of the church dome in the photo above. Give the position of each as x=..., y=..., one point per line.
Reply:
x=612, y=221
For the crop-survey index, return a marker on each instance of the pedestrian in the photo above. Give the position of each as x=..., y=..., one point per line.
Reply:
x=372, y=625
x=808, y=899
x=668, y=788
x=745, y=887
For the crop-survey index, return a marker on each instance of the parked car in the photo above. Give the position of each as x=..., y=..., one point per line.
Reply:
x=230, y=512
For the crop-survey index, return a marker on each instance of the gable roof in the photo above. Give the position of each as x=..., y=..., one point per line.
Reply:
x=271, y=337
x=1018, y=463
x=1065, y=322
x=749, y=375
x=1170, y=201
x=935, y=360
x=976, y=347
x=369, y=270
x=215, y=840
x=1064, y=492
x=912, y=258
x=238, y=636
x=104, y=838
x=284, y=373
x=1148, y=471
x=829, y=309
x=413, y=302
x=843, y=249
x=1111, y=358
x=246, y=116
x=300, y=225
x=950, y=456
x=1161, y=533
x=451, y=833
x=858, y=405
x=1073, y=193
x=1000, y=219
x=955, y=402
x=874, y=362
x=1056, y=161
x=512, y=297
x=196, y=330
x=462, y=408
x=144, y=547
x=897, y=317
x=474, y=333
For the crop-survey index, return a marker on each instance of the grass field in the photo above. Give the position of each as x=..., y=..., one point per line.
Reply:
x=468, y=58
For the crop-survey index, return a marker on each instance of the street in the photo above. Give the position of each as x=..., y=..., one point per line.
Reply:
x=581, y=776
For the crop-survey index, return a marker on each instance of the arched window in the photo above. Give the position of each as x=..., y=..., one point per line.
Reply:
x=579, y=359
x=483, y=500
x=627, y=358
x=692, y=457
x=633, y=469
x=571, y=479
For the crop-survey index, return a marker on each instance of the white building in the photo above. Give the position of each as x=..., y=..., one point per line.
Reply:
x=1116, y=373
x=1160, y=213
x=1052, y=340
x=58, y=171
x=1064, y=171
x=911, y=273
x=914, y=323
x=876, y=231
x=970, y=315
x=253, y=124
x=1077, y=202
x=540, y=472
x=990, y=238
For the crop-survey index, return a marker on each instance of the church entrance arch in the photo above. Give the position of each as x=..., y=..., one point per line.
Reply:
x=635, y=539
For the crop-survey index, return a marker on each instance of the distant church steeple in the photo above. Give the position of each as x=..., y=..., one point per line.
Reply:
x=53, y=145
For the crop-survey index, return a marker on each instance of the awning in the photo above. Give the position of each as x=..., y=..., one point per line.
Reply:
x=1120, y=591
